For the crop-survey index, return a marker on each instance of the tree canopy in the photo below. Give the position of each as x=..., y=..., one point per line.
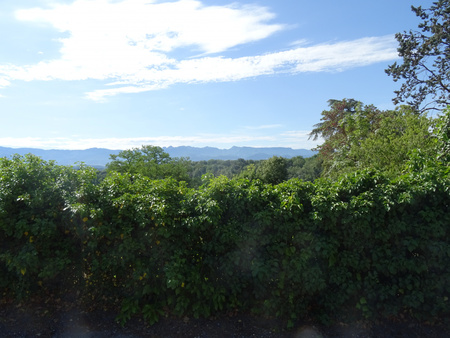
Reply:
x=346, y=119
x=359, y=136
x=388, y=146
x=150, y=161
x=274, y=170
x=442, y=134
x=426, y=54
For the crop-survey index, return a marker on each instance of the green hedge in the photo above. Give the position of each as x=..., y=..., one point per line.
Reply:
x=39, y=249
x=362, y=245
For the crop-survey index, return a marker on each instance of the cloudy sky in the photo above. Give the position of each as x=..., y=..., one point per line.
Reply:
x=76, y=74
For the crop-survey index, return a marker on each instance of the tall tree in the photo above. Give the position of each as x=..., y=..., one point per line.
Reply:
x=347, y=118
x=308, y=171
x=426, y=53
x=358, y=137
x=149, y=161
x=273, y=170
x=442, y=135
x=387, y=148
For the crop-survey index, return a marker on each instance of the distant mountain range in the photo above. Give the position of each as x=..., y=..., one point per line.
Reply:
x=99, y=157
x=234, y=153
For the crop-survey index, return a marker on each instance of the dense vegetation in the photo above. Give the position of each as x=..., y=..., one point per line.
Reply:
x=154, y=163
x=358, y=137
x=361, y=229
x=363, y=242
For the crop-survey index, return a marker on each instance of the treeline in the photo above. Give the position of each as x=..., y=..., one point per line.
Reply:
x=373, y=242
x=157, y=236
x=356, y=137
x=364, y=245
x=153, y=162
x=274, y=170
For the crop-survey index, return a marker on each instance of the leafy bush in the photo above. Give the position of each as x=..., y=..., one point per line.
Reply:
x=39, y=247
x=363, y=244
x=126, y=222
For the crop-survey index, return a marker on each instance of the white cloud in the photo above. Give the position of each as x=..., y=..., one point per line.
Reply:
x=348, y=54
x=153, y=25
x=301, y=137
x=321, y=58
x=265, y=126
x=133, y=44
x=4, y=82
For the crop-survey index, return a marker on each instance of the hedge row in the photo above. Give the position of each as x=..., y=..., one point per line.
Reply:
x=363, y=244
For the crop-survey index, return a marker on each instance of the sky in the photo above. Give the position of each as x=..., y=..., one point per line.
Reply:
x=118, y=74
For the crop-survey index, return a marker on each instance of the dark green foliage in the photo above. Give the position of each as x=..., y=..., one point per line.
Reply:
x=125, y=220
x=388, y=244
x=359, y=137
x=332, y=128
x=309, y=171
x=149, y=161
x=442, y=134
x=347, y=121
x=228, y=168
x=274, y=170
x=294, y=166
x=38, y=239
x=361, y=245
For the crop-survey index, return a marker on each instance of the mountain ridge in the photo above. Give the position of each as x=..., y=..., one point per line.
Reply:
x=100, y=156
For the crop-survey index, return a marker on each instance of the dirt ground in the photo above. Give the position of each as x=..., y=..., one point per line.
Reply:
x=63, y=319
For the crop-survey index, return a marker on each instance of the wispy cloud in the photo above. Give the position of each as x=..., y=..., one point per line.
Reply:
x=266, y=126
x=300, y=137
x=4, y=82
x=133, y=44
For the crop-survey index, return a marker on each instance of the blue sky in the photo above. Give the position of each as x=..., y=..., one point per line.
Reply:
x=118, y=74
